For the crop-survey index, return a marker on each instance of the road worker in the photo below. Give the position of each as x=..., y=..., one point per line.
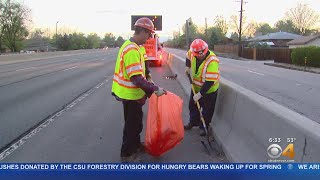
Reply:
x=145, y=57
x=203, y=65
x=131, y=87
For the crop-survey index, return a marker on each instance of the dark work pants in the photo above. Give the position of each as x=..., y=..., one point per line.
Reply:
x=132, y=127
x=207, y=102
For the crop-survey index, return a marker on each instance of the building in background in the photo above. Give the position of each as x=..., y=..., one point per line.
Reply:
x=313, y=40
x=278, y=39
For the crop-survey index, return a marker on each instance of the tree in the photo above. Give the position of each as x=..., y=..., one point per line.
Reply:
x=286, y=26
x=119, y=41
x=248, y=28
x=216, y=37
x=221, y=23
x=303, y=17
x=93, y=41
x=37, y=41
x=235, y=37
x=109, y=39
x=14, y=19
x=265, y=28
x=64, y=42
x=36, y=34
x=193, y=32
x=1, y=25
x=79, y=41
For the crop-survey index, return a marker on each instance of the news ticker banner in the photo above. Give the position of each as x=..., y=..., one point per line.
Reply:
x=222, y=171
x=186, y=167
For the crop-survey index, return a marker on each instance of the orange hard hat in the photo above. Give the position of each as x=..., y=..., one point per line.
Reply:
x=146, y=23
x=199, y=47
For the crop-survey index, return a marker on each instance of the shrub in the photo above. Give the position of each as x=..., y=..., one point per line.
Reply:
x=312, y=53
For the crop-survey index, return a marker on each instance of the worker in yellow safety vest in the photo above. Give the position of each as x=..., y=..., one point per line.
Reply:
x=145, y=57
x=203, y=65
x=131, y=87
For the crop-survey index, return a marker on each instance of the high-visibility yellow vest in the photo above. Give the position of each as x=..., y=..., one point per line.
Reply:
x=144, y=53
x=207, y=71
x=129, y=62
x=189, y=55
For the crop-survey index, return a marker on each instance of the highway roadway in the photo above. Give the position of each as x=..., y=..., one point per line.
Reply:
x=31, y=91
x=60, y=109
x=296, y=90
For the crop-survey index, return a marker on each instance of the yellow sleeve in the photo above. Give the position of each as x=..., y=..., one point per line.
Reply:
x=188, y=55
x=132, y=63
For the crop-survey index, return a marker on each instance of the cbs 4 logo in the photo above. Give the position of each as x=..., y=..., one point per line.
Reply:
x=275, y=151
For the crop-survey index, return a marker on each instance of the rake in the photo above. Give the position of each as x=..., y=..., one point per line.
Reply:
x=208, y=130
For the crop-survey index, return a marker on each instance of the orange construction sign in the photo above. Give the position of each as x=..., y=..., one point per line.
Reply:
x=150, y=47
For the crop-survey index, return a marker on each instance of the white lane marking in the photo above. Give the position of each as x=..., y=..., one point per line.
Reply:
x=180, y=58
x=100, y=85
x=256, y=73
x=45, y=124
x=298, y=84
x=70, y=68
x=25, y=69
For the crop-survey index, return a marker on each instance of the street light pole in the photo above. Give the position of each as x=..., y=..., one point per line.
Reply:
x=57, y=34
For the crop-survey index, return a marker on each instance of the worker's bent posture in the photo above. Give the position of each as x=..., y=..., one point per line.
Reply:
x=131, y=87
x=204, y=68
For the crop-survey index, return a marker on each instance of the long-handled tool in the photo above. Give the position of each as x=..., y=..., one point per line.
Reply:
x=203, y=122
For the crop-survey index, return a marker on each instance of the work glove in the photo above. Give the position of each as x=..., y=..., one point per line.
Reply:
x=160, y=92
x=197, y=96
x=187, y=70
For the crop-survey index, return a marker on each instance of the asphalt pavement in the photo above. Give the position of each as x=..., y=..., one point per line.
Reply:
x=86, y=122
x=32, y=91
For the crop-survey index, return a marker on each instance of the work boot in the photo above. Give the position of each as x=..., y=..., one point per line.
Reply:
x=202, y=132
x=141, y=148
x=131, y=159
x=188, y=126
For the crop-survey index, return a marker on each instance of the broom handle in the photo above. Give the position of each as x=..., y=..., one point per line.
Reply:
x=198, y=104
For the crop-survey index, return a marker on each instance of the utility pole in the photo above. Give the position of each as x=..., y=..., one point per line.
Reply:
x=240, y=31
x=179, y=29
x=188, y=22
x=187, y=33
x=57, y=34
x=206, y=31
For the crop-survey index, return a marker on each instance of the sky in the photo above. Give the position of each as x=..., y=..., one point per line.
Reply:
x=101, y=16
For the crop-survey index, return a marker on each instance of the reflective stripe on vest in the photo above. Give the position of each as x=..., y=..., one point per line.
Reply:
x=200, y=78
x=211, y=58
x=133, y=68
x=144, y=53
x=122, y=85
x=123, y=82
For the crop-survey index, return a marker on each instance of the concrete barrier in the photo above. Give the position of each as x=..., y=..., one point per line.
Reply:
x=245, y=124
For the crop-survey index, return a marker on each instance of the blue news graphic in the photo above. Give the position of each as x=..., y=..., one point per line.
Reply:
x=139, y=167
x=158, y=170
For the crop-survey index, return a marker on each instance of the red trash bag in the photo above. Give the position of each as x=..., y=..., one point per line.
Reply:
x=164, y=123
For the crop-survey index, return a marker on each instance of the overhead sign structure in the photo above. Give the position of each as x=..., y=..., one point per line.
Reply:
x=156, y=19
